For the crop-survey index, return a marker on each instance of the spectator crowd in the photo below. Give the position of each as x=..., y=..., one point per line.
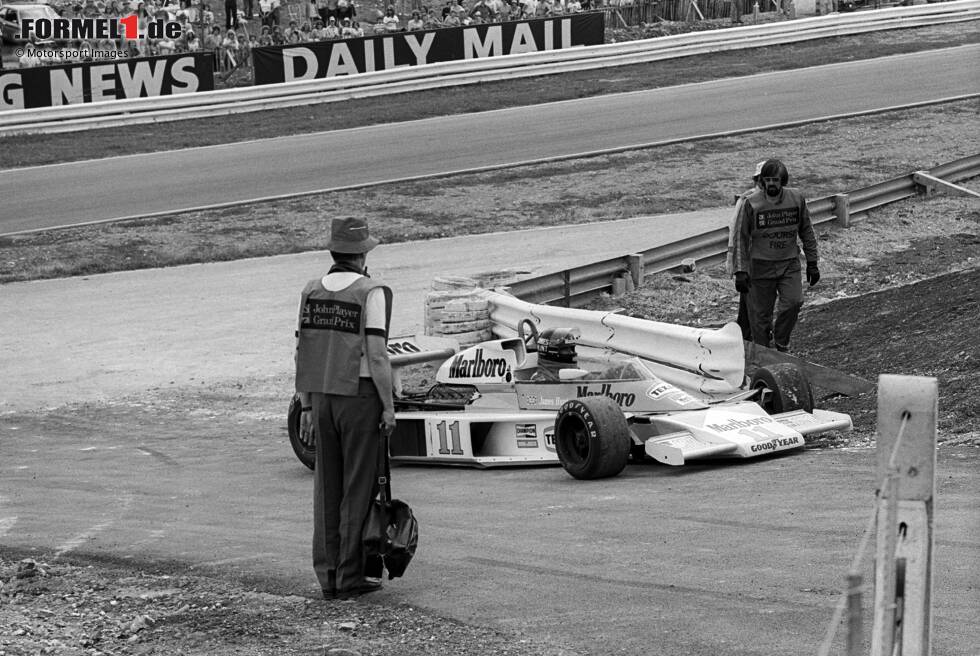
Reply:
x=261, y=23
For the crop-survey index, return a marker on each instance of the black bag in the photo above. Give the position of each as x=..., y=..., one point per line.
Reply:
x=391, y=532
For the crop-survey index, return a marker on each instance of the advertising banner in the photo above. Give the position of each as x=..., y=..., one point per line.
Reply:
x=321, y=59
x=72, y=84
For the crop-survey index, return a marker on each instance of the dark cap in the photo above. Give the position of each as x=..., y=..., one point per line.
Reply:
x=350, y=235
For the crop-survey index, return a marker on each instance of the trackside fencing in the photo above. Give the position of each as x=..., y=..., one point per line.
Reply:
x=621, y=13
x=579, y=286
x=646, y=11
x=630, y=13
x=134, y=111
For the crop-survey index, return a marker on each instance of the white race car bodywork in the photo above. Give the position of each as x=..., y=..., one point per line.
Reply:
x=475, y=438
x=500, y=438
x=509, y=416
x=742, y=430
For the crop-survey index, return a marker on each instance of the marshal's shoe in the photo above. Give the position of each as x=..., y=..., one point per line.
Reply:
x=364, y=587
x=330, y=592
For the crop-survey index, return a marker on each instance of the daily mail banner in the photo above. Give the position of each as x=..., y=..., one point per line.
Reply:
x=72, y=84
x=274, y=64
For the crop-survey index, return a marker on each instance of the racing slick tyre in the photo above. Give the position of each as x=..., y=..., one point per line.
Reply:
x=592, y=437
x=305, y=450
x=784, y=388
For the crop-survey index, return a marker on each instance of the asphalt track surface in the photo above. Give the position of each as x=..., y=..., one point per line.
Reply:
x=107, y=189
x=712, y=559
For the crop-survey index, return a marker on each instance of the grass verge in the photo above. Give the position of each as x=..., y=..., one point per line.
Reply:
x=823, y=159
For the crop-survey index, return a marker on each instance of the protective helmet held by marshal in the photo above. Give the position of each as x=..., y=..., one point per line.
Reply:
x=558, y=344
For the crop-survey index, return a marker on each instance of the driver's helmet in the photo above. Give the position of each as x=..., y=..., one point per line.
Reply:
x=558, y=344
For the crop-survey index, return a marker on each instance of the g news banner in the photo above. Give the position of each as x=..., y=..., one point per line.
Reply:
x=112, y=76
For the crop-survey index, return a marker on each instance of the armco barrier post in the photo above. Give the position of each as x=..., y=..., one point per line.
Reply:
x=618, y=286
x=635, y=262
x=924, y=182
x=842, y=208
x=906, y=481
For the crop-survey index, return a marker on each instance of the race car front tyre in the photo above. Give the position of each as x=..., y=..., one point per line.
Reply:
x=305, y=450
x=784, y=388
x=592, y=438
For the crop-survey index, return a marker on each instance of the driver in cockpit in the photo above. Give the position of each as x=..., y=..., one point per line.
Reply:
x=556, y=351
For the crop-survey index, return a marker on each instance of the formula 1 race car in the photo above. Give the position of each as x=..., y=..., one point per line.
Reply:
x=622, y=388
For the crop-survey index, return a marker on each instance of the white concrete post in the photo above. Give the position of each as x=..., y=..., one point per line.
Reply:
x=906, y=479
x=855, y=616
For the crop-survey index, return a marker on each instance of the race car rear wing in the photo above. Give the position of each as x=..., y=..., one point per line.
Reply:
x=416, y=349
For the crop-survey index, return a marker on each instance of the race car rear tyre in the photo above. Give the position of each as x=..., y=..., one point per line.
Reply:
x=785, y=388
x=592, y=438
x=305, y=450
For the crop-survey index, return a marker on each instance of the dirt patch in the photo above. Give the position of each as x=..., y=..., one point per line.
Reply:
x=94, y=608
x=926, y=329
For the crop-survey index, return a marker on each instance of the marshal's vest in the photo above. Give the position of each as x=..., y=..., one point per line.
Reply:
x=331, y=336
x=774, y=226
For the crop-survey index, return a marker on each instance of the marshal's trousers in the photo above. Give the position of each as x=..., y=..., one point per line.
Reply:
x=345, y=482
x=780, y=280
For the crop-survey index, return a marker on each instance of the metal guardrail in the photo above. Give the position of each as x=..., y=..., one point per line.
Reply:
x=579, y=286
x=115, y=113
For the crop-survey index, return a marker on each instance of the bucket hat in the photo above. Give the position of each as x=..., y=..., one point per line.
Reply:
x=350, y=235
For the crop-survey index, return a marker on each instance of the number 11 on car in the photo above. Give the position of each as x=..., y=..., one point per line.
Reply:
x=444, y=435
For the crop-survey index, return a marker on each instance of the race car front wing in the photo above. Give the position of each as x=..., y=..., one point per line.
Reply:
x=784, y=432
